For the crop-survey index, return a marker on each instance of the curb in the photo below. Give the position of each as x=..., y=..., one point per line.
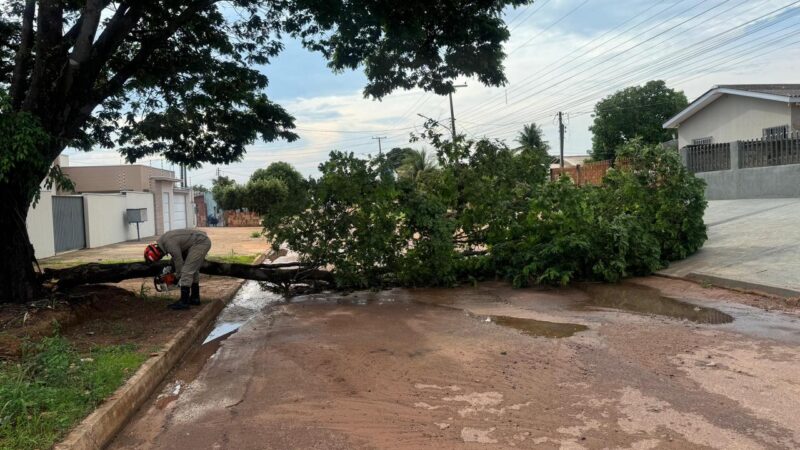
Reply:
x=102, y=425
x=736, y=285
x=743, y=285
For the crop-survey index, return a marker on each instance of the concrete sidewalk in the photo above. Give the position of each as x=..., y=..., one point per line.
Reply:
x=751, y=244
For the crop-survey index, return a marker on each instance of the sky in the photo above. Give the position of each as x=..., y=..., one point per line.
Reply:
x=563, y=55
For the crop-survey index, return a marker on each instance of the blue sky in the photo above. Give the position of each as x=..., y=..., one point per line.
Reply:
x=563, y=55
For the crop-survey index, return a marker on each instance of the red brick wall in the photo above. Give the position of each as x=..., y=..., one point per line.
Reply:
x=242, y=219
x=583, y=174
x=202, y=211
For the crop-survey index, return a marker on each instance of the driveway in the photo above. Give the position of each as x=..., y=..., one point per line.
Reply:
x=751, y=244
x=224, y=242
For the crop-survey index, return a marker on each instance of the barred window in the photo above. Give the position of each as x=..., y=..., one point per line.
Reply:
x=703, y=141
x=781, y=132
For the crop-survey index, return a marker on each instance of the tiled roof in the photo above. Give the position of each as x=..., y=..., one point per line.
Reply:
x=789, y=90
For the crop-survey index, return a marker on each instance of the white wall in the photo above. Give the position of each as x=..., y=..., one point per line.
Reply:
x=733, y=117
x=40, y=226
x=104, y=215
x=136, y=200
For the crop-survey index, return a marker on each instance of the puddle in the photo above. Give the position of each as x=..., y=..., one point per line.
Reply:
x=647, y=300
x=248, y=301
x=533, y=327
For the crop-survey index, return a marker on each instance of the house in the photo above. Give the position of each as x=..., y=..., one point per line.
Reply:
x=208, y=212
x=743, y=140
x=109, y=204
x=569, y=161
x=728, y=113
x=173, y=205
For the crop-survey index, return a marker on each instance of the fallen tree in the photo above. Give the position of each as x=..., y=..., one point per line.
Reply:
x=282, y=275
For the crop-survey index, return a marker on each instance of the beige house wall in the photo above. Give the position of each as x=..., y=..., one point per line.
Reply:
x=732, y=117
x=138, y=200
x=104, y=218
x=40, y=226
x=113, y=178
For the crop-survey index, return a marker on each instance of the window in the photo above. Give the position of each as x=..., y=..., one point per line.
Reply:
x=780, y=132
x=703, y=141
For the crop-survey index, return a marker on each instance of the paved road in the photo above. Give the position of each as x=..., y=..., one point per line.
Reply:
x=418, y=369
x=753, y=241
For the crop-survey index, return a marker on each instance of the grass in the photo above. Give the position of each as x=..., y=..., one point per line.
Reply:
x=255, y=234
x=53, y=387
x=233, y=258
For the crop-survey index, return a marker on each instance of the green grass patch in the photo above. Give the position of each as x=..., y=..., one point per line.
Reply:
x=120, y=261
x=53, y=387
x=233, y=259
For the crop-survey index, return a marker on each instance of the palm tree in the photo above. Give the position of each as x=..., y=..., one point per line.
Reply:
x=415, y=163
x=531, y=138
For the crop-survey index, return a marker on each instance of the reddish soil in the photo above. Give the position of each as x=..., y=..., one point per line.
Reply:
x=99, y=315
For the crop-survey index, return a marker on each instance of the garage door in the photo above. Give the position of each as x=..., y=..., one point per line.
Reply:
x=165, y=197
x=179, y=217
x=68, y=234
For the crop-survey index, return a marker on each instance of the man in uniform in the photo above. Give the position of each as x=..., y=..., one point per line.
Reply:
x=188, y=249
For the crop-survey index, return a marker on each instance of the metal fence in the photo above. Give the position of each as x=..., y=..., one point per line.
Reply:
x=708, y=157
x=775, y=150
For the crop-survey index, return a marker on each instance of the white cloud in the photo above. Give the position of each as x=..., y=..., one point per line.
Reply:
x=542, y=80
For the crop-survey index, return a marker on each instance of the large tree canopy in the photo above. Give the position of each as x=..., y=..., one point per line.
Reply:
x=634, y=112
x=182, y=78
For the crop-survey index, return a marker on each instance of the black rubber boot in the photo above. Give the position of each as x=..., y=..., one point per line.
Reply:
x=183, y=303
x=194, y=297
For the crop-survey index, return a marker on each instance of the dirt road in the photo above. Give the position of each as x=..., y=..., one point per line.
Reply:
x=482, y=368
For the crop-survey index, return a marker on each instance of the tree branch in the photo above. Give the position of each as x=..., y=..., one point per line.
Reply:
x=89, y=20
x=62, y=279
x=49, y=59
x=22, y=60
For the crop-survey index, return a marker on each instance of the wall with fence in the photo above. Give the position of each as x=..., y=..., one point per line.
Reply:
x=758, y=168
x=583, y=174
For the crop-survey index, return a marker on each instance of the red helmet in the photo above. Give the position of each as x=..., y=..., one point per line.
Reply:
x=153, y=253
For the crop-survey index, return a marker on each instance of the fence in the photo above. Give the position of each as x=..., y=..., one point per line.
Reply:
x=776, y=150
x=583, y=174
x=708, y=157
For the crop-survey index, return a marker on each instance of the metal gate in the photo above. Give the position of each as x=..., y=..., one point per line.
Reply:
x=68, y=224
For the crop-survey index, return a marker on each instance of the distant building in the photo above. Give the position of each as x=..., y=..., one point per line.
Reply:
x=728, y=113
x=569, y=161
x=743, y=140
x=109, y=204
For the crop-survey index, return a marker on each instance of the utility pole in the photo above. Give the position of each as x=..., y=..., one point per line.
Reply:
x=217, y=172
x=561, y=129
x=452, y=114
x=379, y=138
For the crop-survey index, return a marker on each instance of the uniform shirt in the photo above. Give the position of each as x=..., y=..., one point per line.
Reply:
x=178, y=242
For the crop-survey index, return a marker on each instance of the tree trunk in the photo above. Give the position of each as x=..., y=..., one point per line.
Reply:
x=63, y=279
x=18, y=280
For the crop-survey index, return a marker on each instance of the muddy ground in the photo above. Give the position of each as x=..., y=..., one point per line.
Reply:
x=482, y=368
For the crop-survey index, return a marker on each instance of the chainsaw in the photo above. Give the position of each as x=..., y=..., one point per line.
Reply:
x=166, y=280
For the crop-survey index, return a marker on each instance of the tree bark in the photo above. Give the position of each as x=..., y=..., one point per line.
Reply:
x=63, y=279
x=18, y=280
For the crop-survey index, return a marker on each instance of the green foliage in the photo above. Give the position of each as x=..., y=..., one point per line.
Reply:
x=634, y=112
x=53, y=387
x=484, y=210
x=649, y=211
x=19, y=155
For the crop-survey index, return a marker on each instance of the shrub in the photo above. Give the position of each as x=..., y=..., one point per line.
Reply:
x=484, y=210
